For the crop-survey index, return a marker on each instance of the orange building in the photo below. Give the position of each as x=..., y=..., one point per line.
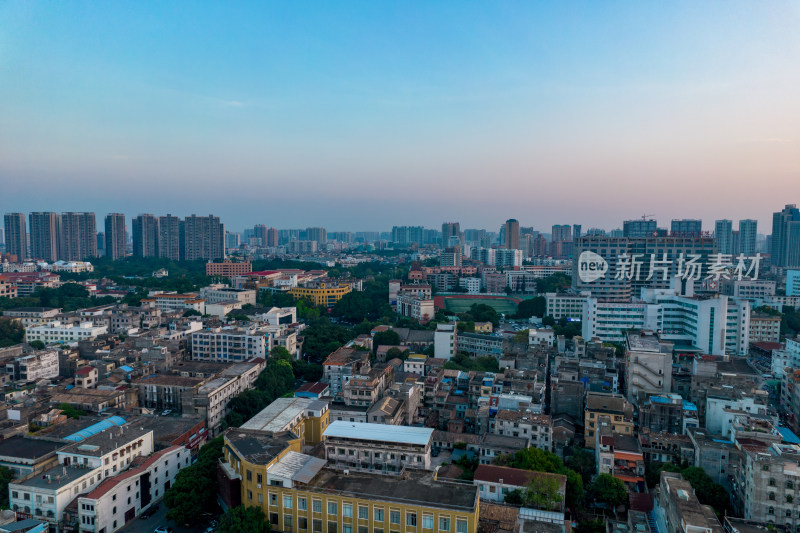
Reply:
x=228, y=268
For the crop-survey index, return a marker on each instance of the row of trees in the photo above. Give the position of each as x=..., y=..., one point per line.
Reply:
x=69, y=297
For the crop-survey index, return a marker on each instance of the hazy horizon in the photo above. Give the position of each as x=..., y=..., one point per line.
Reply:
x=367, y=115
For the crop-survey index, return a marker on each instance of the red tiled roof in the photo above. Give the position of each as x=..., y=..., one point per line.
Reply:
x=85, y=370
x=112, y=482
x=513, y=476
x=315, y=387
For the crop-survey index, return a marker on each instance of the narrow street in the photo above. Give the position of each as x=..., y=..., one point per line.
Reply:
x=148, y=525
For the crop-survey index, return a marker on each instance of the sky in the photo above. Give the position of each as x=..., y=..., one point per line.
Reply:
x=361, y=115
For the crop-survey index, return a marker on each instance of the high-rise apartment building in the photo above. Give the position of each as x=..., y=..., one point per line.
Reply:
x=260, y=232
x=748, y=234
x=45, y=231
x=16, y=235
x=272, y=237
x=639, y=228
x=169, y=237
x=78, y=236
x=687, y=227
x=317, y=234
x=512, y=234
x=723, y=236
x=786, y=237
x=450, y=229
x=407, y=235
x=145, y=236
x=116, y=236
x=577, y=231
x=561, y=233
x=203, y=238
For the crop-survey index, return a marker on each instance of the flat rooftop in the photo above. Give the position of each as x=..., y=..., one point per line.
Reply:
x=417, y=488
x=277, y=415
x=22, y=448
x=56, y=477
x=643, y=343
x=100, y=444
x=379, y=432
x=298, y=467
x=258, y=447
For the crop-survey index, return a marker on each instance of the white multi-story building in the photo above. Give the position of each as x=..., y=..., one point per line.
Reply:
x=33, y=316
x=769, y=480
x=71, y=266
x=648, y=365
x=231, y=343
x=566, y=305
x=171, y=302
x=82, y=467
x=789, y=357
x=219, y=293
x=420, y=309
x=119, y=499
x=58, y=332
x=537, y=429
x=39, y=365
x=504, y=258
x=765, y=328
x=473, y=285
x=378, y=448
x=749, y=289
x=444, y=341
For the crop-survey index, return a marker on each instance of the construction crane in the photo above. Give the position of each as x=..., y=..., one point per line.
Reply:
x=644, y=217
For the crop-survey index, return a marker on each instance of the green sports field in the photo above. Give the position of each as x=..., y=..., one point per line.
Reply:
x=460, y=305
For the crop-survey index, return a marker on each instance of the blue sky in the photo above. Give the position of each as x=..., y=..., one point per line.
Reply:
x=357, y=115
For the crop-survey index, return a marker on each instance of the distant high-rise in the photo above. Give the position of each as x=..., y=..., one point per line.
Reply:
x=260, y=232
x=145, y=236
x=45, y=232
x=748, y=234
x=101, y=244
x=78, y=239
x=232, y=239
x=639, y=228
x=115, y=236
x=512, y=234
x=169, y=237
x=317, y=234
x=687, y=227
x=576, y=231
x=723, y=236
x=450, y=229
x=203, y=238
x=272, y=237
x=16, y=235
x=786, y=237
x=561, y=233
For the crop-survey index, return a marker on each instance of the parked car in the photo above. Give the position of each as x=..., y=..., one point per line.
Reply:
x=163, y=529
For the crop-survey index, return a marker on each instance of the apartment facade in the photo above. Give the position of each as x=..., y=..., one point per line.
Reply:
x=58, y=332
x=231, y=343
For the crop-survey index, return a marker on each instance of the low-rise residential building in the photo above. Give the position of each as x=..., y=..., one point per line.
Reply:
x=39, y=365
x=7, y=289
x=219, y=293
x=621, y=456
x=565, y=305
x=478, y=345
x=677, y=509
x=648, y=363
x=33, y=316
x=770, y=477
x=536, y=429
x=87, y=377
x=765, y=328
x=343, y=364
x=606, y=410
x=496, y=482
x=228, y=269
x=747, y=289
x=378, y=448
x=419, y=309
x=171, y=302
x=57, y=332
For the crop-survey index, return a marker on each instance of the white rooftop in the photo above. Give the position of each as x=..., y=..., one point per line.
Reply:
x=379, y=432
x=297, y=467
x=280, y=413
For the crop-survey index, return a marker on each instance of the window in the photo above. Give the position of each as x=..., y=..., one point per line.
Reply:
x=444, y=523
x=378, y=515
x=316, y=506
x=411, y=519
x=377, y=530
x=363, y=529
x=394, y=516
x=250, y=495
x=771, y=495
x=302, y=522
x=249, y=476
x=427, y=521
x=287, y=522
x=331, y=527
x=363, y=512
x=316, y=525
x=461, y=525
x=302, y=504
x=347, y=529
x=287, y=502
x=347, y=510
x=273, y=519
x=331, y=510
x=273, y=499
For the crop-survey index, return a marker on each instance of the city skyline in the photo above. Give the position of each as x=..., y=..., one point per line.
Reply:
x=350, y=112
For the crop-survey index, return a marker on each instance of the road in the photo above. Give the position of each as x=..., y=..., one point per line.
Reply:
x=138, y=525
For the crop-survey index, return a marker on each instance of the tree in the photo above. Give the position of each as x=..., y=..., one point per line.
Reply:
x=521, y=336
x=70, y=412
x=241, y=518
x=515, y=497
x=543, y=493
x=11, y=332
x=532, y=307
x=279, y=352
x=386, y=338
x=192, y=312
x=6, y=475
x=37, y=345
x=608, y=490
x=539, y=460
x=195, y=488
x=582, y=461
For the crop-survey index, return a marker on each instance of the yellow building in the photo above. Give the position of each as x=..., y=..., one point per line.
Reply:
x=483, y=327
x=604, y=408
x=322, y=293
x=299, y=494
x=306, y=418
